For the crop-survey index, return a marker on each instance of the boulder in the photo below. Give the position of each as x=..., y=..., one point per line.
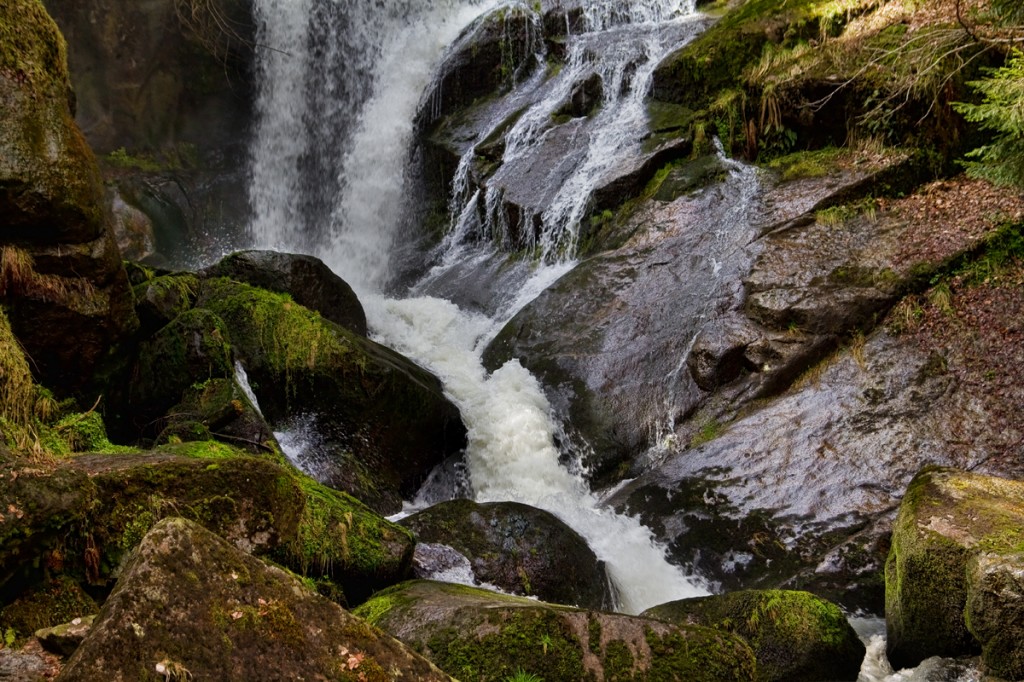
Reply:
x=385, y=421
x=160, y=299
x=218, y=409
x=796, y=636
x=45, y=605
x=954, y=562
x=306, y=279
x=63, y=639
x=62, y=275
x=480, y=635
x=190, y=605
x=519, y=549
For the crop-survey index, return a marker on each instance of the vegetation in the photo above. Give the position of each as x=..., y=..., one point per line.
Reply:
x=1001, y=112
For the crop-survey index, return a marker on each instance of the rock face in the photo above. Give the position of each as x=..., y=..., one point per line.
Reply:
x=165, y=94
x=952, y=571
x=520, y=549
x=256, y=621
x=62, y=275
x=385, y=421
x=307, y=280
x=480, y=635
x=795, y=636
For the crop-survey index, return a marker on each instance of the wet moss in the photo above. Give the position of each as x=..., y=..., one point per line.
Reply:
x=717, y=657
x=32, y=47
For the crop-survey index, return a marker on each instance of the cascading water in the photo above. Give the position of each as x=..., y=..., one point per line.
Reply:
x=512, y=453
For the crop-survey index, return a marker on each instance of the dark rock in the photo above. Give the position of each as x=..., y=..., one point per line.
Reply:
x=584, y=99
x=218, y=409
x=185, y=586
x=62, y=276
x=64, y=639
x=29, y=664
x=796, y=636
x=486, y=636
x=520, y=549
x=160, y=300
x=39, y=508
x=46, y=604
x=384, y=420
x=954, y=538
x=306, y=279
x=491, y=55
x=194, y=348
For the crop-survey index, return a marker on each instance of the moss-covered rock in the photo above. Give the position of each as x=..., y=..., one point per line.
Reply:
x=63, y=639
x=218, y=409
x=190, y=604
x=795, y=636
x=521, y=549
x=385, y=421
x=46, y=605
x=949, y=525
x=306, y=279
x=995, y=611
x=62, y=276
x=479, y=635
x=158, y=301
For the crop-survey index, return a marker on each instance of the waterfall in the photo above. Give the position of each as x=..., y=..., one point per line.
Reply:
x=338, y=94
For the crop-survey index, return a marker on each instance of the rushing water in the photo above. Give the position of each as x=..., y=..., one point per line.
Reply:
x=303, y=147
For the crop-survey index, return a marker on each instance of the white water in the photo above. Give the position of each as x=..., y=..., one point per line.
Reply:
x=511, y=453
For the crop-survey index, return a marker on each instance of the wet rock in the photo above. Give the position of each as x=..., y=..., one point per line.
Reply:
x=519, y=549
x=490, y=56
x=306, y=279
x=795, y=635
x=218, y=409
x=481, y=635
x=133, y=230
x=63, y=276
x=28, y=664
x=800, y=493
x=259, y=505
x=64, y=639
x=385, y=421
x=257, y=622
x=954, y=540
x=584, y=99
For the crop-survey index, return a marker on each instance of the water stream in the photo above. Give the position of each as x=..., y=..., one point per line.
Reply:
x=339, y=90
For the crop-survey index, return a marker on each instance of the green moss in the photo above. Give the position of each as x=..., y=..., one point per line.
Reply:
x=807, y=164
x=518, y=644
x=51, y=603
x=698, y=654
x=618, y=662
x=32, y=47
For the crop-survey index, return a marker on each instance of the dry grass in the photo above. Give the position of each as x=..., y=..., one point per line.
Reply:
x=18, y=277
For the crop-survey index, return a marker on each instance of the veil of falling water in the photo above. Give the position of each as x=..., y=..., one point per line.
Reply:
x=340, y=86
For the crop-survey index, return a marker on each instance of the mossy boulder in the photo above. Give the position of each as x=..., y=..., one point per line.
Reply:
x=159, y=300
x=218, y=409
x=189, y=604
x=795, y=636
x=190, y=350
x=62, y=275
x=40, y=504
x=479, y=635
x=48, y=604
x=995, y=611
x=257, y=503
x=306, y=279
x=956, y=537
x=385, y=421
x=520, y=549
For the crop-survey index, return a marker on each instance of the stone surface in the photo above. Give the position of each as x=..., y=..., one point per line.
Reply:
x=256, y=621
x=480, y=635
x=68, y=282
x=306, y=279
x=950, y=524
x=795, y=636
x=995, y=611
x=383, y=422
x=64, y=639
x=520, y=549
